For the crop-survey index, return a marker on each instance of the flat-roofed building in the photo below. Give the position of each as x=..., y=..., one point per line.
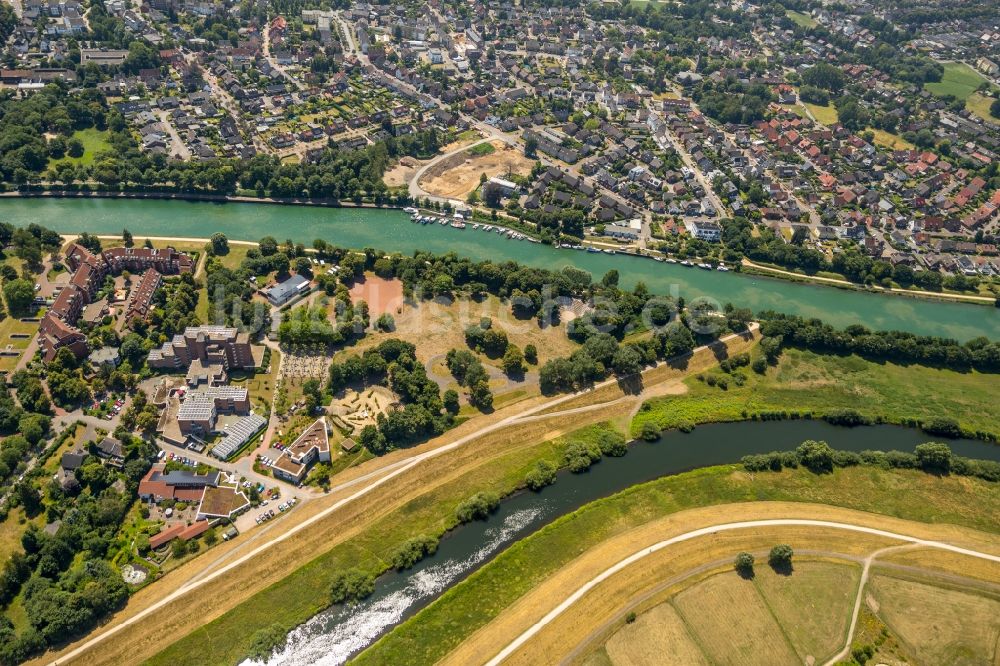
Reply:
x=200, y=409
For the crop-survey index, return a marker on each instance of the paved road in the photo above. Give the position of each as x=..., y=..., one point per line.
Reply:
x=368, y=482
x=715, y=529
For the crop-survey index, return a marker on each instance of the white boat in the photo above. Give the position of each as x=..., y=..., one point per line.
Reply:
x=722, y=268
x=458, y=224
x=705, y=266
x=670, y=260
x=658, y=258
x=410, y=209
x=687, y=263
x=475, y=226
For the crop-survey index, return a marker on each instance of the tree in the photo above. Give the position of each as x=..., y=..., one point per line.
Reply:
x=530, y=147
x=934, y=457
x=450, y=401
x=744, y=564
x=74, y=147
x=385, y=323
x=626, y=361
x=815, y=456
x=18, y=294
x=481, y=396
x=220, y=244
x=995, y=108
x=127, y=238
x=531, y=354
x=780, y=558
x=513, y=360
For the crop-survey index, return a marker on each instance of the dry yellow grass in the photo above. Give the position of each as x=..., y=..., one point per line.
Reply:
x=945, y=563
x=939, y=626
x=657, y=638
x=732, y=624
x=436, y=327
x=587, y=623
x=813, y=605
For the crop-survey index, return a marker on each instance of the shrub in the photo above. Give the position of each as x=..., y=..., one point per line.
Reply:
x=477, y=507
x=265, y=641
x=759, y=365
x=350, y=586
x=541, y=475
x=943, y=427
x=612, y=444
x=649, y=432
x=846, y=417
x=413, y=550
x=579, y=456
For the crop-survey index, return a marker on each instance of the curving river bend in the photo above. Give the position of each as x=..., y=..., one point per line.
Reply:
x=336, y=634
x=391, y=230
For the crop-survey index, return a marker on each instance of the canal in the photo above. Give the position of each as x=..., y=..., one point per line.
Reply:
x=391, y=230
x=334, y=635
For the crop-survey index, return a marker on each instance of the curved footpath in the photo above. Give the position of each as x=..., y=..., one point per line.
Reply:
x=375, y=479
x=714, y=529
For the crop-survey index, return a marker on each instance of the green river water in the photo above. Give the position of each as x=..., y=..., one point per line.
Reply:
x=391, y=230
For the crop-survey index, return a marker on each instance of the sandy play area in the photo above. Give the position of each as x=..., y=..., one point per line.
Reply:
x=361, y=409
x=381, y=295
x=458, y=175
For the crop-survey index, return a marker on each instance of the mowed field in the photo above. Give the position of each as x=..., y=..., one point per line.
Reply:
x=455, y=177
x=727, y=619
x=936, y=624
x=959, y=80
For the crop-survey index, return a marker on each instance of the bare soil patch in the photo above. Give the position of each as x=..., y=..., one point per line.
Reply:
x=458, y=175
x=381, y=295
x=402, y=173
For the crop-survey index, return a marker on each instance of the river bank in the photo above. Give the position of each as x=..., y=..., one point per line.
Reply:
x=391, y=231
x=280, y=231
x=750, y=267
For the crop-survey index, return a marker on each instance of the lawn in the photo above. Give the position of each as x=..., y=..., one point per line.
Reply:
x=823, y=114
x=800, y=19
x=10, y=326
x=807, y=382
x=959, y=80
x=890, y=140
x=979, y=104
x=482, y=149
x=94, y=141
x=658, y=636
x=448, y=621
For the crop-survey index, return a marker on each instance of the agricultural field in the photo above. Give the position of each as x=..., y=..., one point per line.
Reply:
x=959, y=80
x=808, y=382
